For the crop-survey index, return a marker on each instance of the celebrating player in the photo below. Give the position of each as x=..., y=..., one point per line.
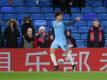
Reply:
x=60, y=39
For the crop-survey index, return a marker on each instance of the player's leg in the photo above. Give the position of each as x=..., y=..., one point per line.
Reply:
x=68, y=53
x=52, y=55
x=70, y=58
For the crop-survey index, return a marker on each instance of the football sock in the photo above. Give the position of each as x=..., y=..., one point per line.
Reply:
x=53, y=58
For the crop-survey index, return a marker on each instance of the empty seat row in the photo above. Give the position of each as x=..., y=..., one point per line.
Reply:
x=25, y=3
x=50, y=10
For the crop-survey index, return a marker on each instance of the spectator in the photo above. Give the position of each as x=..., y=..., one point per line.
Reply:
x=27, y=22
x=96, y=35
x=11, y=34
x=65, y=5
x=25, y=2
x=37, y=2
x=10, y=2
x=55, y=3
x=36, y=42
x=70, y=40
x=79, y=3
x=28, y=40
x=42, y=38
x=51, y=39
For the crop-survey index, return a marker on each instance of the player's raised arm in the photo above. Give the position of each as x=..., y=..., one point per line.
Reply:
x=72, y=22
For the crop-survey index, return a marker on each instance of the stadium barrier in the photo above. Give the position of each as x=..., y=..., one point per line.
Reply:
x=86, y=59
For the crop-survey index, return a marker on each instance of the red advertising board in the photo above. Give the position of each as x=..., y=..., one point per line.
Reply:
x=86, y=59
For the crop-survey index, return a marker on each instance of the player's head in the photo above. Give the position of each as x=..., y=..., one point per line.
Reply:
x=59, y=15
x=96, y=23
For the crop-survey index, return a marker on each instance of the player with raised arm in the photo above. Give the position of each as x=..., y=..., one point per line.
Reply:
x=60, y=39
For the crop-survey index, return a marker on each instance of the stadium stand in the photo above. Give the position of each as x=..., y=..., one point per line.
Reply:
x=44, y=15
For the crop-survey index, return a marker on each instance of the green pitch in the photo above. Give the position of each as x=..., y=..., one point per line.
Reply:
x=53, y=76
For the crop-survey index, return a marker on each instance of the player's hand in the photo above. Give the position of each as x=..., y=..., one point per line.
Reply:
x=78, y=19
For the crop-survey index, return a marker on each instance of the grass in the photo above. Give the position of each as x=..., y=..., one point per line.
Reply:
x=53, y=75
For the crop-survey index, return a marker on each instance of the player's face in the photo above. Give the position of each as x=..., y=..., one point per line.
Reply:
x=96, y=24
x=59, y=18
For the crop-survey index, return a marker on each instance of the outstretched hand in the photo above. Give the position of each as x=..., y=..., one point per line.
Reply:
x=78, y=19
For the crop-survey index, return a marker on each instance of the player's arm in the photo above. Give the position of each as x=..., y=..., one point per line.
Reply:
x=72, y=22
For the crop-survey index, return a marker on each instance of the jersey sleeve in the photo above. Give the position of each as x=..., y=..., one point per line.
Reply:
x=70, y=22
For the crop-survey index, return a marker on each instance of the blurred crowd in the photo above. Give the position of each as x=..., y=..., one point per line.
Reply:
x=31, y=38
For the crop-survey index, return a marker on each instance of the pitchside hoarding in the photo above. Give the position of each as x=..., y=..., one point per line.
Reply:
x=39, y=59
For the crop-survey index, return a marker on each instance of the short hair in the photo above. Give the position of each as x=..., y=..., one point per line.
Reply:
x=58, y=13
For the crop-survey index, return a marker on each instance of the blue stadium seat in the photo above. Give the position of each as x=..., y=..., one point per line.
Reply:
x=105, y=36
x=90, y=16
x=43, y=3
x=66, y=16
x=102, y=17
x=47, y=29
x=17, y=3
x=4, y=24
x=106, y=43
x=57, y=9
x=38, y=23
x=75, y=10
x=76, y=36
x=84, y=36
x=47, y=10
x=89, y=23
x=7, y=10
x=19, y=28
x=4, y=3
x=1, y=16
x=83, y=29
x=21, y=10
x=49, y=22
x=80, y=43
x=104, y=25
x=97, y=3
x=77, y=15
x=49, y=16
x=36, y=16
x=74, y=29
x=34, y=10
x=81, y=23
x=3, y=28
x=105, y=3
x=87, y=10
x=21, y=16
x=100, y=10
x=31, y=3
x=9, y=16
x=93, y=3
x=0, y=2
